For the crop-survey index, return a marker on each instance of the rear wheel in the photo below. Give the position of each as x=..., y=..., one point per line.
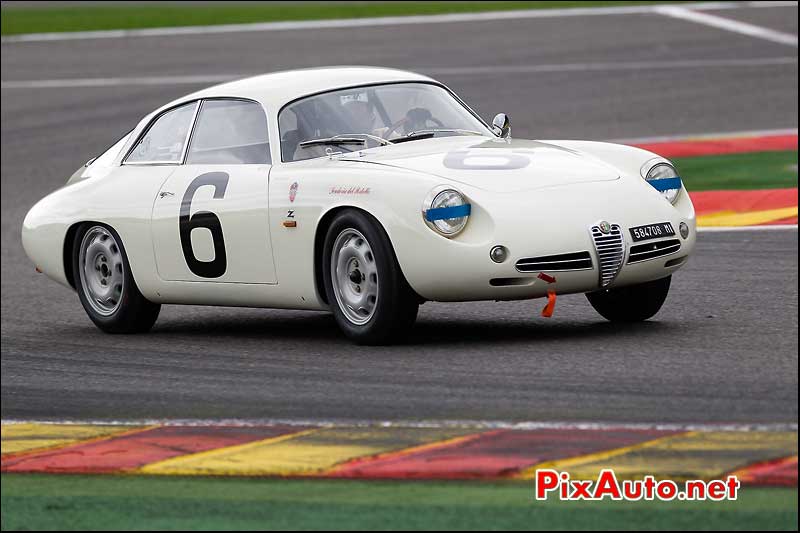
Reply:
x=634, y=303
x=368, y=294
x=105, y=284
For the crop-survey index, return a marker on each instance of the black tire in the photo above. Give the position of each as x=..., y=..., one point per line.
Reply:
x=634, y=303
x=395, y=309
x=132, y=313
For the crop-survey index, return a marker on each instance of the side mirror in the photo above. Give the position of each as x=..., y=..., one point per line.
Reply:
x=501, y=125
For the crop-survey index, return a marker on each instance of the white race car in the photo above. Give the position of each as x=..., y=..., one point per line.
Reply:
x=366, y=191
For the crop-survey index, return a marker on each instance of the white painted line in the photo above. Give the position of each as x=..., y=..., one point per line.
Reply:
x=433, y=424
x=723, y=23
x=373, y=21
x=468, y=71
x=117, y=82
x=722, y=229
x=714, y=136
x=614, y=66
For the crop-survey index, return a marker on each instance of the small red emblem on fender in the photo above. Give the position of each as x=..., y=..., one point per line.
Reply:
x=293, y=191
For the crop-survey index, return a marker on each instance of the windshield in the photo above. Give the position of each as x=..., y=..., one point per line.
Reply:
x=376, y=113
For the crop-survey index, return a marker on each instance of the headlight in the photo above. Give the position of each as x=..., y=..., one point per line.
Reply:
x=664, y=178
x=446, y=211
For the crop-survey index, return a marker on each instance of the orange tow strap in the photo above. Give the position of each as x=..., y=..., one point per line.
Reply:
x=547, y=312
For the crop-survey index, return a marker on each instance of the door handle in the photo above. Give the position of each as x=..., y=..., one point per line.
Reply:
x=164, y=194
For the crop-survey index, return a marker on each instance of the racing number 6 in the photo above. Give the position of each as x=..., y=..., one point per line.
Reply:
x=203, y=219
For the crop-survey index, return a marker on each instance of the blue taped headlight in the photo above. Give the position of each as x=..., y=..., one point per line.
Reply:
x=446, y=211
x=664, y=178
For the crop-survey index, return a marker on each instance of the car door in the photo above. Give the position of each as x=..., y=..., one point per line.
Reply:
x=210, y=218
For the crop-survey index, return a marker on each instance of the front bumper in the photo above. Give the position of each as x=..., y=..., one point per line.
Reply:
x=553, y=223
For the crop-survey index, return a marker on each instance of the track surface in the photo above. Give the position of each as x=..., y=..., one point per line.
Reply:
x=723, y=349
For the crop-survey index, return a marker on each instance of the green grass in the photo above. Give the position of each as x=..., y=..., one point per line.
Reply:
x=113, y=502
x=763, y=170
x=17, y=20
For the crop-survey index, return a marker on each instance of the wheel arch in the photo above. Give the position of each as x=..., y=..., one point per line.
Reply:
x=69, y=250
x=69, y=247
x=319, y=244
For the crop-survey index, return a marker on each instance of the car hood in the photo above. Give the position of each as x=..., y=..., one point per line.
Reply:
x=494, y=165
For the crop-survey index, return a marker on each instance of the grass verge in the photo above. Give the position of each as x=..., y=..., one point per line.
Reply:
x=762, y=170
x=141, y=502
x=18, y=20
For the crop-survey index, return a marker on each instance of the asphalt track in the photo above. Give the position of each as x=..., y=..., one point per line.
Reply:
x=723, y=349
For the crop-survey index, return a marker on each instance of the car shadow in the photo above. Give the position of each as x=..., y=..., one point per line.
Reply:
x=468, y=331
x=320, y=327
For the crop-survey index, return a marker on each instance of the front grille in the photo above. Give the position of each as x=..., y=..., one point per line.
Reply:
x=652, y=250
x=556, y=263
x=610, y=248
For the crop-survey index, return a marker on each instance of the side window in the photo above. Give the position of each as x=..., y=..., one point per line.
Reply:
x=290, y=134
x=164, y=141
x=229, y=132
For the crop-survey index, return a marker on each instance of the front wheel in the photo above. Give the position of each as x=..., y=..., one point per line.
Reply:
x=634, y=303
x=368, y=294
x=105, y=283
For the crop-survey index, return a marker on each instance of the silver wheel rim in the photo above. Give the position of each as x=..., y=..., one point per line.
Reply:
x=101, y=270
x=354, y=275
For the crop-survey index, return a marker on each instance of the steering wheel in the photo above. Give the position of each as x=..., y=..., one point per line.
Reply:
x=416, y=119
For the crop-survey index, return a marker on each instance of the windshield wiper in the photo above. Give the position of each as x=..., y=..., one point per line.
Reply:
x=427, y=134
x=346, y=138
x=335, y=141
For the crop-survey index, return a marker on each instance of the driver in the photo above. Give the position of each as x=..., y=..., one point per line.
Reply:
x=361, y=116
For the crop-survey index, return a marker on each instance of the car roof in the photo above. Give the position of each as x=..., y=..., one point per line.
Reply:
x=276, y=89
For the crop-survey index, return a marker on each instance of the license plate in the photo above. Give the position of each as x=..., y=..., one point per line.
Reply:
x=652, y=231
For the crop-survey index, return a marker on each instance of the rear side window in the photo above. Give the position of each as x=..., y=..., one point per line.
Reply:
x=229, y=132
x=164, y=141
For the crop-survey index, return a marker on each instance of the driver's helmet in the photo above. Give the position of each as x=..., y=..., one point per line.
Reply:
x=359, y=112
